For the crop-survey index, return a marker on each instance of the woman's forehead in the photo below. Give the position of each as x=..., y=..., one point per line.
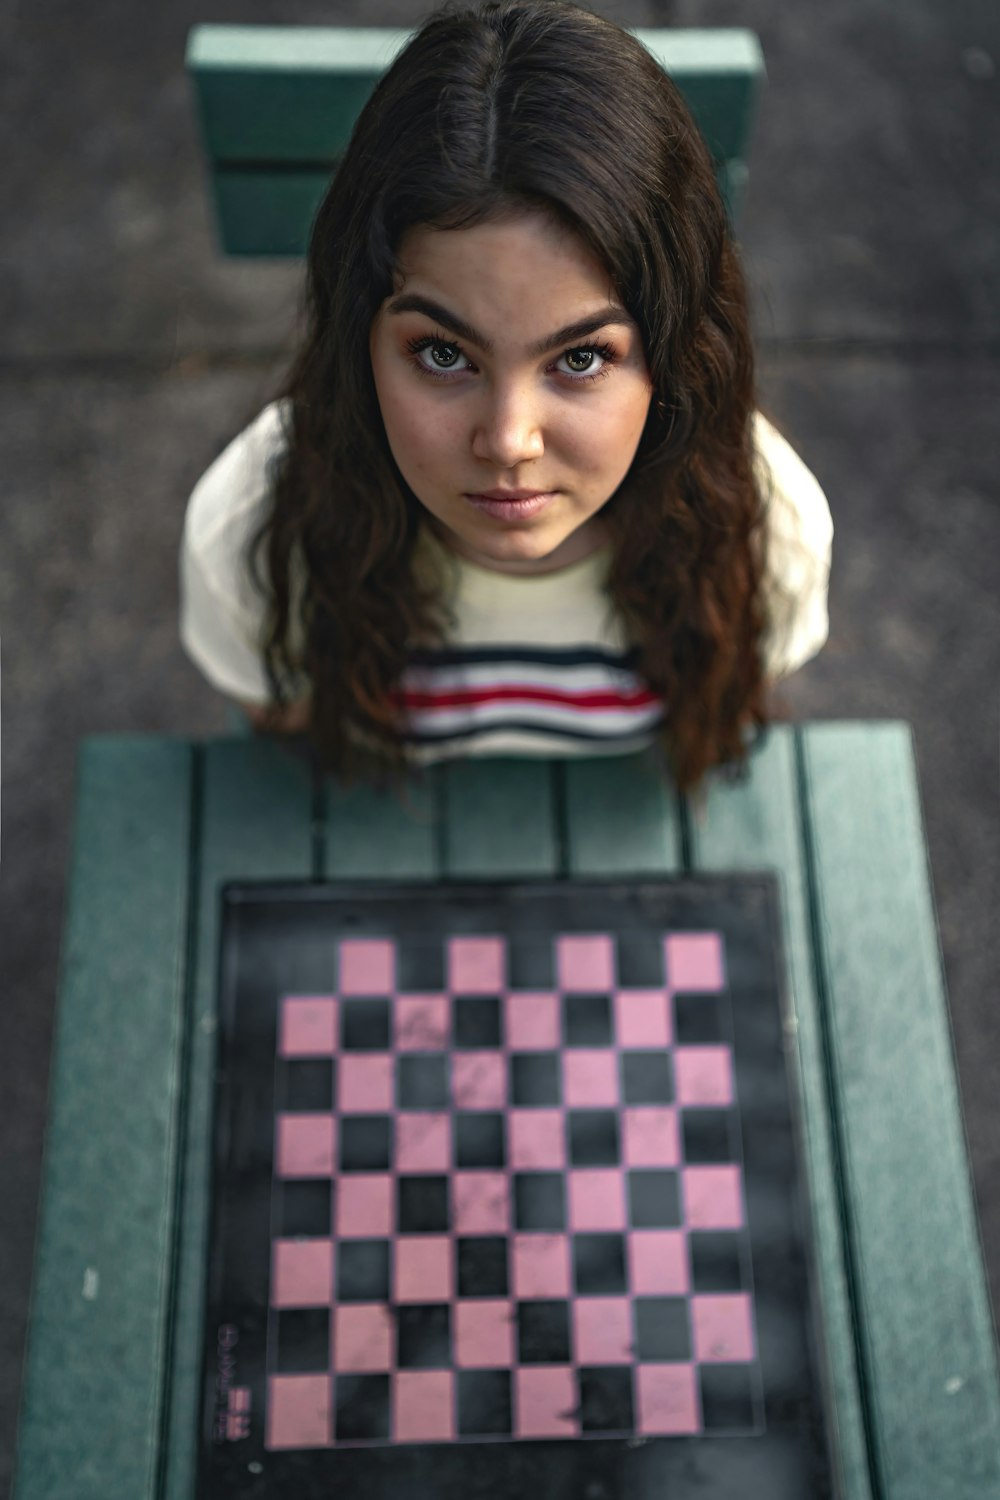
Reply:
x=526, y=266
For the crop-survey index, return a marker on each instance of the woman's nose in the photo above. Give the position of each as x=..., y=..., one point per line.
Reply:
x=509, y=429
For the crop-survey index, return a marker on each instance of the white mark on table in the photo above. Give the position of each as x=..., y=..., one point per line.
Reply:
x=953, y=1385
x=91, y=1281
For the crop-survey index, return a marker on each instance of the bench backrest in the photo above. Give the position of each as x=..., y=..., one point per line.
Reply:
x=277, y=105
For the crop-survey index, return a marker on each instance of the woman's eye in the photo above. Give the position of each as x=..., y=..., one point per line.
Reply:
x=589, y=360
x=437, y=356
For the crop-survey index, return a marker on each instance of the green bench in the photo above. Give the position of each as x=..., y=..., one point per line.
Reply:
x=111, y=1398
x=277, y=105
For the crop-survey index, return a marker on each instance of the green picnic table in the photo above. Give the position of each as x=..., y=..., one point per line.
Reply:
x=111, y=1401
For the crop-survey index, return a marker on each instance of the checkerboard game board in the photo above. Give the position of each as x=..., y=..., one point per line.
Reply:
x=504, y=1166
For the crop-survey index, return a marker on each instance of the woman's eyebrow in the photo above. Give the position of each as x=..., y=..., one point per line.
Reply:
x=413, y=302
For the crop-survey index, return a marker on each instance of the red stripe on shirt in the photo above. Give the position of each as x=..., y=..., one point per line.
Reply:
x=598, y=698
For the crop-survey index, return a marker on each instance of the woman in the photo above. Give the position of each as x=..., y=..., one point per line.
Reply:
x=515, y=496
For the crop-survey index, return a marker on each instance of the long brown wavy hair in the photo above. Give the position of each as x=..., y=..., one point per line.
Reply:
x=524, y=105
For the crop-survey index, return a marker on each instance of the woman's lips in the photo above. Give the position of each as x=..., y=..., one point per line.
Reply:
x=511, y=510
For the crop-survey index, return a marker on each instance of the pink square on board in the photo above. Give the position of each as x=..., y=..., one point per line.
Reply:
x=596, y=1199
x=423, y=1405
x=476, y=965
x=545, y=1402
x=298, y=1411
x=480, y=1203
x=364, y=1205
x=484, y=1334
x=590, y=1077
x=650, y=1136
x=364, y=1083
x=694, y=961
x=308, y=1026
x=423, y=1141
x=423, y=1269
x=423, y=1023
x=668, y=1399
x=723, y=1327
x=302, y=1273
x=367, y=966
x=305, y=1145
x=532, y=1021
x=658, y=1262
x=362, y=1336
x=478, y=1080
x=602, y=1331
x=540, y=1265
x=704, y=1075
x=585, y=963
x=713, y=1197
x=642, y=1018
x=536, y=1138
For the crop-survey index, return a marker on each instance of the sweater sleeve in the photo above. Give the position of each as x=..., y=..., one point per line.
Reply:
x=222, y=614
x=799, y=540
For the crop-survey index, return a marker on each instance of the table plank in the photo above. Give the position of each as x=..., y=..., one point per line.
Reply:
x=926, y=1330
x=500, y=819
x=622, y=817
x=98, y=1334
x=368, y=834
x=757, y=825
x=255, y=820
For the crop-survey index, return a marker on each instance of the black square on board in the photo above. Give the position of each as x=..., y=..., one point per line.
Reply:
x=648, y=1077
x=423, y=1336
x=365, y=1143
x=303, y=1340
x=662, y=1331
x=476, y=1021
x=534, y=1079
x=420, y=967
x=484, y=1408
x=543, y=1332
x=716, y=1263
x=531, y=964
x=422, y=1082
x=706, y=1135
x=363, y=1271
x=482, y=1266
x=539, y=1200
x=304, y=1208
x=587, y=1021
x=308, y=1085
x=421, y=1204
x=479, y=1140
x=364, y=1025
x=726, y=1397
x=598, y=1264
x=606, y=1398
x=697, y=1020
x=640, y=960
x=593, y=1137
x=654, y=1198
x=361, y=1408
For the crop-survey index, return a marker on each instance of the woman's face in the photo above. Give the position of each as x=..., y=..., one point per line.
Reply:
x=504, y=363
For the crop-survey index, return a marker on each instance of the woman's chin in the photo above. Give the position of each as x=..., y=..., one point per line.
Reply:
x=524, y=549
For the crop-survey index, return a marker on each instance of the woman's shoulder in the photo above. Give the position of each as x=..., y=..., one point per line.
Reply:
x=798, y=547
x=226, y=509
x=796, y=506
x=229, y=496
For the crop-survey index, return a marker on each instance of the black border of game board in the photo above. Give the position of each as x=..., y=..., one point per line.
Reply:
x=791, y=1459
